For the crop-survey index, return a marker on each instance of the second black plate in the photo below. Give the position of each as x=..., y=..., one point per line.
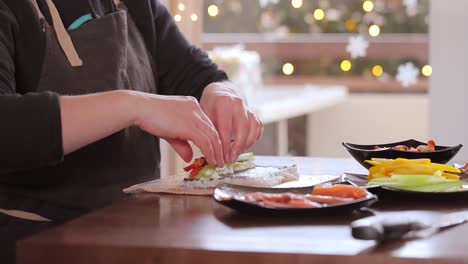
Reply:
x=385, y=192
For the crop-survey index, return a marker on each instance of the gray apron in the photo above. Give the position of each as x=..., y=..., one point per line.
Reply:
x=105, y=54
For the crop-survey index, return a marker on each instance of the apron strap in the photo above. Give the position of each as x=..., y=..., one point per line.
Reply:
x=39, y=13
x=63, y=37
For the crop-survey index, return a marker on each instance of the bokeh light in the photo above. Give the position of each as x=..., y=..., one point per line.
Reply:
x=181, y=6
x=426, y=70
x=288, y=68
x=345, y=65
x=350, y=25
x=319, y=14
x=296, y=3
x=377, y=70
x=213, y=10
x=374, y=30
x=368, y=6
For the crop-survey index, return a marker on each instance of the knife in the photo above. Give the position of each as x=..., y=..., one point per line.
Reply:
x=397, y=226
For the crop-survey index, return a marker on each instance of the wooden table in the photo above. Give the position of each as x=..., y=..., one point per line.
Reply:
x=153, y=228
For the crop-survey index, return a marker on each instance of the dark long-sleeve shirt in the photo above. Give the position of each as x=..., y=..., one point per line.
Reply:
x=30, y=129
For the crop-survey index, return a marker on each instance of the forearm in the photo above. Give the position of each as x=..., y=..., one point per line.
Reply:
x=88, y=118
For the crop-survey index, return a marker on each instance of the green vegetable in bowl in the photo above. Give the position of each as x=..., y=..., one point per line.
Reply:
x=419, y=183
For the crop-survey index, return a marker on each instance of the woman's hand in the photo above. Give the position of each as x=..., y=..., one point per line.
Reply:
x=179, y=119
x=237, y=127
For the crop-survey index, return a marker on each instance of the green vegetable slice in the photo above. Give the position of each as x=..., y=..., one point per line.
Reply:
x=208, y=170
x=421, y=183
x=205, y=172
x=249, y=156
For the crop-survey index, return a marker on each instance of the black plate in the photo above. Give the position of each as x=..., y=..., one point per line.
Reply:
x=385, y=192
x=224, y=190
x=360, y=153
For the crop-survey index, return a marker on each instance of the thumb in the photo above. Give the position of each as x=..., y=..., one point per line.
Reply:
x=182, y=147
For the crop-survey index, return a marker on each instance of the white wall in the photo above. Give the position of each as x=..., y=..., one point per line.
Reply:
x=448, y=55
x=368, y=119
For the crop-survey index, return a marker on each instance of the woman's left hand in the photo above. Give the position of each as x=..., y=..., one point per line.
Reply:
x=237, y=126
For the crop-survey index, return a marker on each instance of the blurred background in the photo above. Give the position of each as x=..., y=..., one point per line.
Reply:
x=322, y=72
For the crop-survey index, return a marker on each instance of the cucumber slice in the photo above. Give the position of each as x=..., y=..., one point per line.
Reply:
x=249, y=156
x=422, y=183
x=206, y=172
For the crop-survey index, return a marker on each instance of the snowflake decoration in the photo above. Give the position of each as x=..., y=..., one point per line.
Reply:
x=265, y=3
x=411, y=7
x=410, y=3
x=407, y=74
x=357, y=46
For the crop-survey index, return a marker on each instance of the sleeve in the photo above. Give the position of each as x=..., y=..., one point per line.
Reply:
x=30, y=130
x=182, y=68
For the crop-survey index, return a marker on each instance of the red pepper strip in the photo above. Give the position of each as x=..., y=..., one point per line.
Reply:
x=195, y=172
x=431, y=144
x=190, y=167
x=197, y=163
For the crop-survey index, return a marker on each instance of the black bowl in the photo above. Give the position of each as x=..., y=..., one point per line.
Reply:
x=361, y=153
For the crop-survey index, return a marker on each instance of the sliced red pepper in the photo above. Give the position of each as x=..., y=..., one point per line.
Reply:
x=189, y=167
x=194, y=173
x=197, y=163
x=431, y=144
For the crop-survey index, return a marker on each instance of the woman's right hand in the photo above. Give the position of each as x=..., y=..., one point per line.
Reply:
x=179, y=119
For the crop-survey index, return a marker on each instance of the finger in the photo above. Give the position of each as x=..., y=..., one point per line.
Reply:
x=262, y=128
x=183, y=148
x=241, y=131
x=207, y=127
x=253, y=131
x=203, y=143
x=223, y=124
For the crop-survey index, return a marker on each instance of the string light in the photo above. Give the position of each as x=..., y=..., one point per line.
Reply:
x=319, y=14
x=288, y=68
x=213, y=10
x=181, y=6
x=374, y=30
x=296, y=3
x=426, y=70
x=368, y=6
x=377, y=70
x=194, y=17
x=345, y=65
x=177, y=18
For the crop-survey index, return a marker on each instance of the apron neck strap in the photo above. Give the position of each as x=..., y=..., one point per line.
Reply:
x=63, y=37
x=38, y=11
x=117, y=3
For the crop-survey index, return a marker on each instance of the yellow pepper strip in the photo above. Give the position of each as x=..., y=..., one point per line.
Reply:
x=411, y=161
x=450, y=176
x=372, y=162
x=387, y=167
x=446, y=168
x=424, y=169
x=381, y=160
